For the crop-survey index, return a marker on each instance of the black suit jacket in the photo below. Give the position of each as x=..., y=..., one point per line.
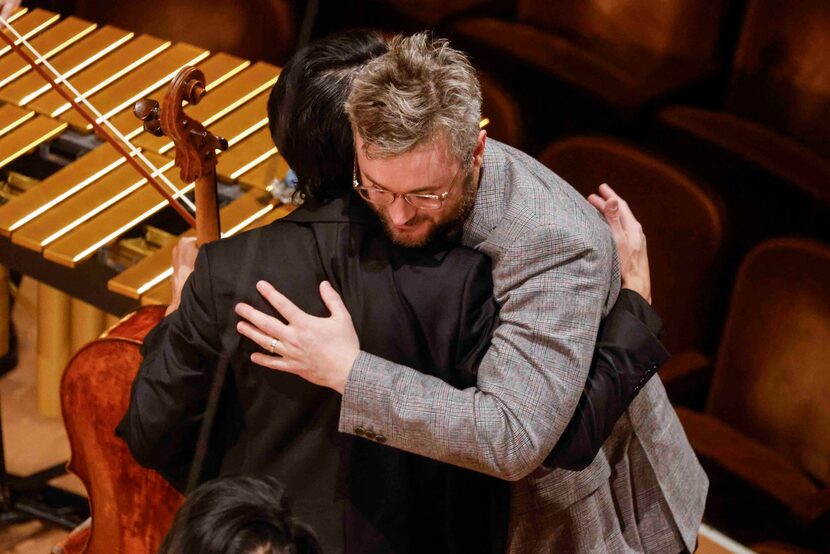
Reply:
x=429, y=308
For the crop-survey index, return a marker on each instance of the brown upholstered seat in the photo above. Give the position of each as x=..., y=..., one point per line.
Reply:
x=625, y=52
x=682, y=221
x=252, y=29
x=766, y=424
x=775, y=116
x=502, y=110
x=434, y=12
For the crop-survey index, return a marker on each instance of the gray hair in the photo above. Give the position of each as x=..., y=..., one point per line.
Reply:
x=419, y=90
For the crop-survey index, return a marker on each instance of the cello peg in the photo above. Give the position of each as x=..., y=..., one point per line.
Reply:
x=146, y=108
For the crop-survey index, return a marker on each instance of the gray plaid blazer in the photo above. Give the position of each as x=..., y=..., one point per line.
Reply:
x=555, y=276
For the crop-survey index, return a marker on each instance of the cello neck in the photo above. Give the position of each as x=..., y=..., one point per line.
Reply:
x=207, y=209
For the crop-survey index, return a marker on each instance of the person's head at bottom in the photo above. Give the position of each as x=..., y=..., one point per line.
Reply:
x=238, y=515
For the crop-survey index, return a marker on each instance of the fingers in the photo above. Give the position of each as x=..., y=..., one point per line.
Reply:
x=265, y=323
x=333, y=301
x=607, y=192
x=274, y=362
x=262, y=340
x=283, y=305
x=597, y=201
x=612, y=216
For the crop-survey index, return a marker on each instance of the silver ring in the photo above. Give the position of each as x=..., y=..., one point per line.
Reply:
x=273, y=345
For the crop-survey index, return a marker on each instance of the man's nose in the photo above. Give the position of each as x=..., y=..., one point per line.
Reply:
x=400, y=211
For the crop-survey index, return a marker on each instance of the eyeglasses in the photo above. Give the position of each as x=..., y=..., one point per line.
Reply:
x=422, y=201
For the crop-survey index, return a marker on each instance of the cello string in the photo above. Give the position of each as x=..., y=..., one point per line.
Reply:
x=132, y=149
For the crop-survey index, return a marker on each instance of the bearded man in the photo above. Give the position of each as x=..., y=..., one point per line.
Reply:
x=414, y=112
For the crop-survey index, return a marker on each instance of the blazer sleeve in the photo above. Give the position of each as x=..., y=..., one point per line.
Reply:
x=169, y=393
x=628, y=353
x=552, y=284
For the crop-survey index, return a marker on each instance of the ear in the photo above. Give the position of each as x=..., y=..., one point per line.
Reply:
x=478, y=152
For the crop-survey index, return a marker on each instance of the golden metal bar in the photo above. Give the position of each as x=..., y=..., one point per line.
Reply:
x=244, y=121
x=28, y=136
x=162, y=292
x=246, y=155
x=110, y=321
x=264, y=174
x=58, y=187
x=54, y=310
x=217, y=69
x=69, y=62
x=12, y=117
x=84, y=205
x=102, y=73
x=29, y=25
x=136, y=280
x=50, y=42
x=87, y=324
x=105, y=227
x=5, y=310
x=137, y=84
x=226, y=98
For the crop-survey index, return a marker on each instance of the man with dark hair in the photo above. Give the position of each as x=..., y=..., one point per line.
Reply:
x=238, y=515
x=430, y=307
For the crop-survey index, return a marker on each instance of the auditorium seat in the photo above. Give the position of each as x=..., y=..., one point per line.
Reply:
x=683, y=223
x=505, y=118
x=778, y=547
x=771, y=138
x=623, y=54
x=251, y=29
x=433, y=13
x=764, y=436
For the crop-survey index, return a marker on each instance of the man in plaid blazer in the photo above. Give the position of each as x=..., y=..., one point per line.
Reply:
x=426, y=169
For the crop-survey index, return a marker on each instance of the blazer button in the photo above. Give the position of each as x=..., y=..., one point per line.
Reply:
x=370, y=435
x=359, y=431
x=380, y=438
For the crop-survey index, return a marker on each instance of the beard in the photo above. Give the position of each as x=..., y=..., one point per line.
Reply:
x=450, y=223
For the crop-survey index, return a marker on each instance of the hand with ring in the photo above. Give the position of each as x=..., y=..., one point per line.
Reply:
x=321, y=350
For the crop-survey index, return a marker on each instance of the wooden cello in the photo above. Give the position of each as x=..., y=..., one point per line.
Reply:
x=132, y=508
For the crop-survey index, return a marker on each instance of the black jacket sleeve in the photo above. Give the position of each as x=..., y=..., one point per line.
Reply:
x=169, y=394
x=627, y=354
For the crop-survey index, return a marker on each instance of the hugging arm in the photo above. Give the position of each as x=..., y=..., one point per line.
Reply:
x=169, y=394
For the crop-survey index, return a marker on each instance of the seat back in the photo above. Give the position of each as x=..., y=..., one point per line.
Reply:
x=252, y=29
x=502, y=110
x=781, y=71
x=772, y=375
x=683, y=28
x=683, y=225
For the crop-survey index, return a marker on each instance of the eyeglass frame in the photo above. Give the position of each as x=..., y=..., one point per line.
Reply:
x=406, y=196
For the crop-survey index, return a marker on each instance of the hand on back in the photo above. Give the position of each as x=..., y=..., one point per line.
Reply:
x=629, y=239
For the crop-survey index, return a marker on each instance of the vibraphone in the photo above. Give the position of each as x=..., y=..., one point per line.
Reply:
x=74, y=215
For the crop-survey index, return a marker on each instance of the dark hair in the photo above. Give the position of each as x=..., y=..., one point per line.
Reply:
x=238, y=515
x=305, y=110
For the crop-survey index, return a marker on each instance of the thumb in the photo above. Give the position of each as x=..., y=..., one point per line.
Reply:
x=333, y=301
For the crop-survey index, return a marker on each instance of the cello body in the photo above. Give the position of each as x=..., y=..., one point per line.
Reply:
x=132, y=508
